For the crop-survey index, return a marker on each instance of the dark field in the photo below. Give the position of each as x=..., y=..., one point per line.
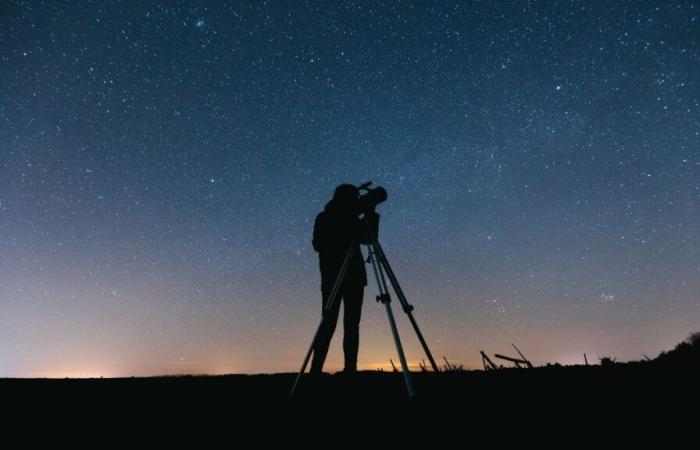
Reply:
x=106, y=412
x=564, y=387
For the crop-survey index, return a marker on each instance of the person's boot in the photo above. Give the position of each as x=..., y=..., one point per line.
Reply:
x=350, y=369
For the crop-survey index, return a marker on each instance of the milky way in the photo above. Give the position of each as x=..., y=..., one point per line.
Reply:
x=161, y=165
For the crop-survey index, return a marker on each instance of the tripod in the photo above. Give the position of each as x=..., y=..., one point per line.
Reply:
x=382, y=270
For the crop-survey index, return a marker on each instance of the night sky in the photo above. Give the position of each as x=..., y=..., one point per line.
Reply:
x=162, y=163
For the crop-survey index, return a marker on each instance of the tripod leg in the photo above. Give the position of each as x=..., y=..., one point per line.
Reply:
x=327, y=307
x=384, y=298
x=408, y=309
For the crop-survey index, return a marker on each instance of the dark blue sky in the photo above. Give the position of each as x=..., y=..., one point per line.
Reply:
x=161, y=164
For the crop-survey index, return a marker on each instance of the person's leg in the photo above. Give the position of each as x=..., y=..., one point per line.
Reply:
x=352, y=301
x=325, y=333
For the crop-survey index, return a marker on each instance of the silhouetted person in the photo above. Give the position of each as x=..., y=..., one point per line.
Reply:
x=336, y=227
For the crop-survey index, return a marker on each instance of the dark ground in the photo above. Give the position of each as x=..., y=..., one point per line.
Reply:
x=174, y=406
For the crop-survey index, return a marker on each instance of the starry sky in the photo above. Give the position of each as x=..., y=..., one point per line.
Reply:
x=162, y=163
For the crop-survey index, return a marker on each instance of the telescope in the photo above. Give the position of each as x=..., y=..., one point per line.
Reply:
x=368, y=202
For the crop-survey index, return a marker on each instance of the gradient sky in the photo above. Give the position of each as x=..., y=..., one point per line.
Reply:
x=161, y=165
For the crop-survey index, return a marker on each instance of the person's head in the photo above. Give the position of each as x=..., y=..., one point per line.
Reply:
x=345, y=196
